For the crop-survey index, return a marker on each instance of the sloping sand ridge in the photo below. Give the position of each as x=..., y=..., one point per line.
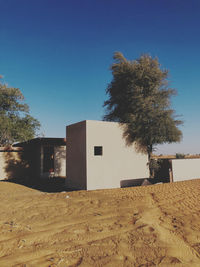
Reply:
x=145, y=226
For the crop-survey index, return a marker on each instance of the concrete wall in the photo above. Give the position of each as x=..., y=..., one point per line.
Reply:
x=118, y=162
x=60, y=161
x=76, y=156
x=185, y=169
x=33, y=156
x=27, y=162
x=11, y=165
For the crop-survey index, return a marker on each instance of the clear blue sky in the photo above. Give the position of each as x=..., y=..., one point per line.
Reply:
x=58, y=52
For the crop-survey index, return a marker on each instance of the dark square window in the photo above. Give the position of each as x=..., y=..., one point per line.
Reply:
x=98, y=150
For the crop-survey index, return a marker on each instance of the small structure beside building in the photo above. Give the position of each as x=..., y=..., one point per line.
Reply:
x=98, y=157
x=46, y=157
x=185, y=169
x=173, y=169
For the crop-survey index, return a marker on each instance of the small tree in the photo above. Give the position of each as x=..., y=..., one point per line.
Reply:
x=16, y=124
x=180, y=156
x=139, y=98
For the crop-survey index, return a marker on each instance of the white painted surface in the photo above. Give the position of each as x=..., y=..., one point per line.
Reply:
x=185, y=169
x=118, y=162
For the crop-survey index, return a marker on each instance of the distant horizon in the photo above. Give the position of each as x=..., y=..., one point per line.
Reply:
x=59, y=54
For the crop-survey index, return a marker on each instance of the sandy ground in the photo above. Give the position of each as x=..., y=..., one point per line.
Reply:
x=145, y=226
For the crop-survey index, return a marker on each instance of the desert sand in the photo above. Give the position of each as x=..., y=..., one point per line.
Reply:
x=155, y=225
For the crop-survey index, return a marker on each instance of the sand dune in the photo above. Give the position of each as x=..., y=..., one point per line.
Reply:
x=145, y=226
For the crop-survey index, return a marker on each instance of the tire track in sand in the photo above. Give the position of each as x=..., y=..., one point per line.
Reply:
x=175, y=243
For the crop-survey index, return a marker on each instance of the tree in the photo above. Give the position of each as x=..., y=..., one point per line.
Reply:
x=180, y=156
x=16, y=124
x=139, y=98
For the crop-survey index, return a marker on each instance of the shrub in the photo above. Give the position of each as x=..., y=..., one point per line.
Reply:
x=180, y=156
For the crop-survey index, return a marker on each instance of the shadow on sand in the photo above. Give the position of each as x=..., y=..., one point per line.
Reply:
x=49, y=185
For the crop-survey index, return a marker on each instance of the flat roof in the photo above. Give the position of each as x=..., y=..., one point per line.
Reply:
x=43, y=141
x=10, y=149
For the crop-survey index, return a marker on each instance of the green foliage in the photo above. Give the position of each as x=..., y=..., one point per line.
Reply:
x=180, y=156
x=16, y=124
x=154, y=165
x=139, y=96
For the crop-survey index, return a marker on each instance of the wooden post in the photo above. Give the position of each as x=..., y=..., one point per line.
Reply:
x=170, y=176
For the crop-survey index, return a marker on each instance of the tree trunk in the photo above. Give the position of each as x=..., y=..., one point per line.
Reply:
x=149, y=151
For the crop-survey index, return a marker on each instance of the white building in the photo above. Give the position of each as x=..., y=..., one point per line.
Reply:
x=98, y=157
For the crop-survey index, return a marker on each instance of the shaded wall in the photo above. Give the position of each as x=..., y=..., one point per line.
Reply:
x=32, y=155
x=76, y=156
x=26, y=162
x=19, y=163
x=12, y=164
